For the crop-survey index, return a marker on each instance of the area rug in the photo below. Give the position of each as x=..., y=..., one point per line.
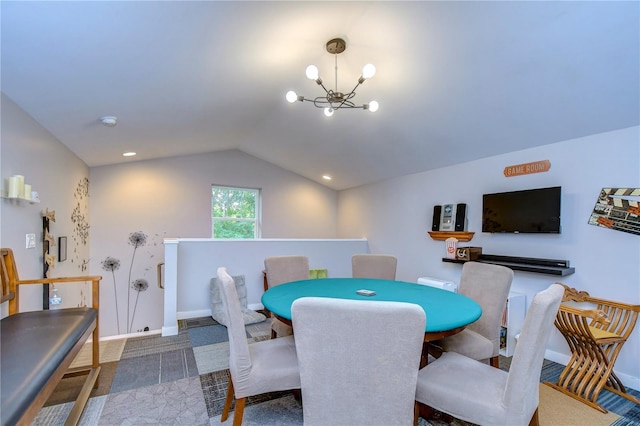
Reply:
x=556, y=409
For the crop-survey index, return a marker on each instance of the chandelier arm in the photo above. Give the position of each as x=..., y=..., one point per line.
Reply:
x=321, y=84
x=353, y=91
x=320, y=102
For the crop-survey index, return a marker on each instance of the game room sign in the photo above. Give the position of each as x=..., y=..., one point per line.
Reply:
x=527, y=168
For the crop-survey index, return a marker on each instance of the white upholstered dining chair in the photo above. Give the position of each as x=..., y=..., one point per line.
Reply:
x=284, y=269
x=358, y=360
x=381, y=266
x=476, y=392
x=488, y=285
x=257, y=368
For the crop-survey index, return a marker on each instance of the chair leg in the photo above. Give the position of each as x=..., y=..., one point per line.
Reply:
x=495, y=361
x=534, y=419
x=273, y=334
x=227, y=402
x=237, y=416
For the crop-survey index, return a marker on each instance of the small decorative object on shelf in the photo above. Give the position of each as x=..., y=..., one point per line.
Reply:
x=468, y=253
x=54, y=297
x=452, y=247
x=443, y=235
x=17, y=189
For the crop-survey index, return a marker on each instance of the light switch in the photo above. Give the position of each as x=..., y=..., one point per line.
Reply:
x=31, y=241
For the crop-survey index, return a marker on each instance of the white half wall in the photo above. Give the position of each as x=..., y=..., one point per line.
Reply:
x=190, y=264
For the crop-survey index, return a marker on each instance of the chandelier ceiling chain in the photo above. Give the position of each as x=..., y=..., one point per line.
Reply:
x=334, y=99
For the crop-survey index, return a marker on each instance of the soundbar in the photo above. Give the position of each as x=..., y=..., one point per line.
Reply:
x=527, y=264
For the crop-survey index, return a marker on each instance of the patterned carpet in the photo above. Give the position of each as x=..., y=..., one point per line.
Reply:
x=183, y=380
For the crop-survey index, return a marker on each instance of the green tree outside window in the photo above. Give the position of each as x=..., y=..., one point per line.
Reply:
x=235, y=212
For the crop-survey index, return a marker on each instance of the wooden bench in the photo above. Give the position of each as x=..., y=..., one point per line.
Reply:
x=37, y=348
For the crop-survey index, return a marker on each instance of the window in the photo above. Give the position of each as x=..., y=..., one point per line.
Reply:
x=235, y=212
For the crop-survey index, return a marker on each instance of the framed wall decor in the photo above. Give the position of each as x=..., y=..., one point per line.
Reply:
x=62, y=249
x=618, y=209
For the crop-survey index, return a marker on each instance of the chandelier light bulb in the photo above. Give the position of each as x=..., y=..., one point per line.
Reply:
x=328, y=111
x=368, y=71
x=373, y=106
x=291, y=96
x=312, y=72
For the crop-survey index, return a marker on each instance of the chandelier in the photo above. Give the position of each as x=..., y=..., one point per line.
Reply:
x=333, y=99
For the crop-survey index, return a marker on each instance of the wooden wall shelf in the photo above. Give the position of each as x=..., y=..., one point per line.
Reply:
x=443, y=235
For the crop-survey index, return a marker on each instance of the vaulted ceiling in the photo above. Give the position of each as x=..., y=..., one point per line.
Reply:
x=456, y=81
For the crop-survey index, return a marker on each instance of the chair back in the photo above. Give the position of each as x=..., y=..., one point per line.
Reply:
x=382, y=266
x=488, y=285
x=521, y=393
x=358, y=360
x=284, y=269
x=239, y=356
x=8, y=275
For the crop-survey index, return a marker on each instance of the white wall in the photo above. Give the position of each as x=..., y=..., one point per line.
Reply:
x=171, y=198
x=395, y=216
x=55, y=173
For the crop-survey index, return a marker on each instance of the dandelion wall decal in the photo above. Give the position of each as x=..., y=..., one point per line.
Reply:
x=138, y=285
x=136, y=239
x=112, y=264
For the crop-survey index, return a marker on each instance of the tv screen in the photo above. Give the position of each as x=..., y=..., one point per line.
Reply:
x=530, y=211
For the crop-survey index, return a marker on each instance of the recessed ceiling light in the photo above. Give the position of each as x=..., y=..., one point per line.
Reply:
x=128, y=154
x=109, y=120
x=326, y=177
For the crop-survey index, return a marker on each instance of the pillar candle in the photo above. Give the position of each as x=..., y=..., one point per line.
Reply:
x=27, y=191
x=20, y=179
x=13, y=187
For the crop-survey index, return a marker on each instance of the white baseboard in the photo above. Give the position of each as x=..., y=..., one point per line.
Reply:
x=628, y=380
x=194, y=314
x=125, y=336
x=207, y=312
x=169, y=331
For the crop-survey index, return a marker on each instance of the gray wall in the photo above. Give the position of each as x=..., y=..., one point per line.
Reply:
x=55, y=173
x=395, y=216
x=172, y=198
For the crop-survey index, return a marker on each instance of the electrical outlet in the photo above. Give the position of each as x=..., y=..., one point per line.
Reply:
x=31, y=241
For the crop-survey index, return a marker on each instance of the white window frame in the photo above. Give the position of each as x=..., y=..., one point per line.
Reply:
x=258, y=210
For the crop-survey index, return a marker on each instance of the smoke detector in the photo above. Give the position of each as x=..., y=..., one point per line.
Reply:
x=109, y=121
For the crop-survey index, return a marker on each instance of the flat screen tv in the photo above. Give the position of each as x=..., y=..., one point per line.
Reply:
x=531, y=211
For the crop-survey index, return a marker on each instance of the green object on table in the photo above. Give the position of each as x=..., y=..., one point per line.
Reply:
x=317, y=273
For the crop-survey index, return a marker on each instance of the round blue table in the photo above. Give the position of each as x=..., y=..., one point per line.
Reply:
x=447, y=313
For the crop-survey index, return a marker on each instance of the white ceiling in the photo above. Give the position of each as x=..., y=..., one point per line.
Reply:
x=456, y=81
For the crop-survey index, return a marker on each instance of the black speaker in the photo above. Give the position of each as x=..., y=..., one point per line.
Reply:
x=461, y=217
x=437, y=211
